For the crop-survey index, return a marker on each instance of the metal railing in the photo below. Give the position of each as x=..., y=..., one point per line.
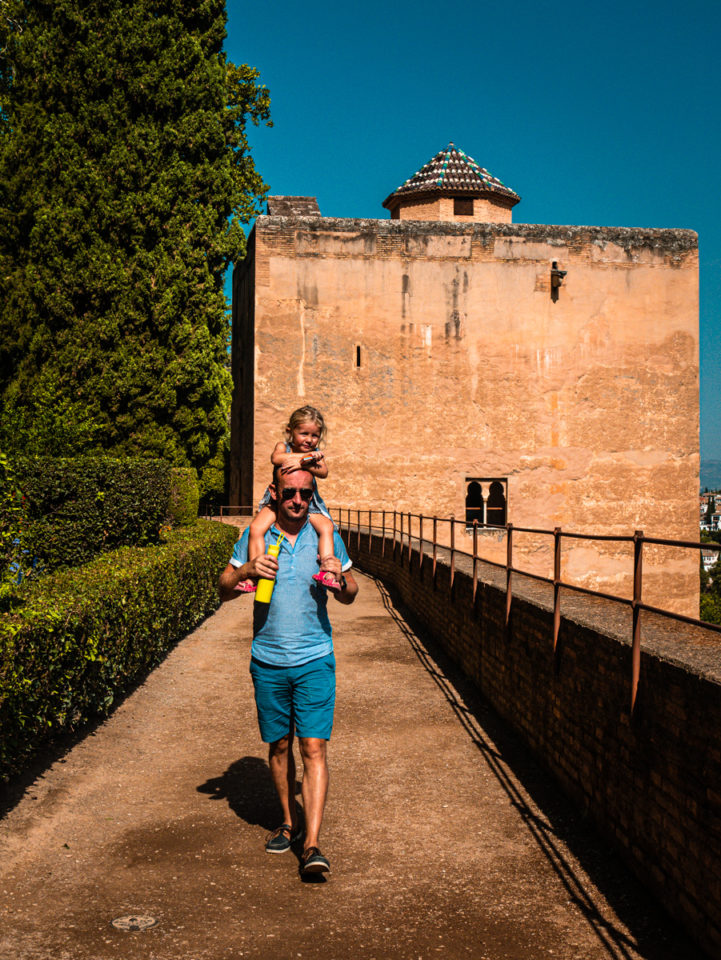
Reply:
x=402, y=528
x=228, y=510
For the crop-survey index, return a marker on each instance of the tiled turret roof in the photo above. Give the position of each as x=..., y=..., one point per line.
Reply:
x=453, y=171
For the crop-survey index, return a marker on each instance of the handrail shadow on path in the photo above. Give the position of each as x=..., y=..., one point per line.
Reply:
x=549, y=816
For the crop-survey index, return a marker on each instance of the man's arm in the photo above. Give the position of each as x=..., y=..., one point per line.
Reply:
x=262, y=566
x=349, y=592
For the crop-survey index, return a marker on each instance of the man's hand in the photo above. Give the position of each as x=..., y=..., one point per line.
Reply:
x=263, y=566
x=333, y=565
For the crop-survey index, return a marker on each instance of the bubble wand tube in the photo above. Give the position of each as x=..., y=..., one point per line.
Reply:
x=264, y=590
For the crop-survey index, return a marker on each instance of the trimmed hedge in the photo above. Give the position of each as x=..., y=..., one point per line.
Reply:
x=79, y=508
x=184, y=496
x=12, y=528
x=83, y=635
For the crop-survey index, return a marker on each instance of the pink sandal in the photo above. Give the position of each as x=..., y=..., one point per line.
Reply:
x=326, y=579
x=245, y=586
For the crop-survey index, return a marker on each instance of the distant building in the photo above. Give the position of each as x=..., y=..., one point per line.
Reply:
x=542, y=375
x=711, y=522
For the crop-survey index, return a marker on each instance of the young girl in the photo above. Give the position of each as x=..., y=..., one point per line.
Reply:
x=304, y=433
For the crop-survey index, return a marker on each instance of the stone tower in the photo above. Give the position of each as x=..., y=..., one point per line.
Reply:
x=540, y=375
x=452, y=187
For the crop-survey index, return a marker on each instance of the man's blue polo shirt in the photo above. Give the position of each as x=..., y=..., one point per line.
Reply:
x=296, y=628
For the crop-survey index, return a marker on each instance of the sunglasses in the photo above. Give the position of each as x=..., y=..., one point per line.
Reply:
x=287, y=493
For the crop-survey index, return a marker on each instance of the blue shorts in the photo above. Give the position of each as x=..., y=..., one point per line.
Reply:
x=295, y=698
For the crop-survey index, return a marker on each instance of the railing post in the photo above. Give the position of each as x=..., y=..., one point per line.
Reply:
x=357, y=539
x=409, y=540
x=394, y=536
x=637, y=593
x=435, y=546
x=475, y=558
x=453, y=548
x=383, y=535
x=370, y=531
x=509, y=569
x=400, y=537
x=420, y=541
x=556, y=585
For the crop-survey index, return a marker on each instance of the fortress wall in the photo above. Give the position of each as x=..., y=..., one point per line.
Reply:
x=651, y=781
x=437, y=354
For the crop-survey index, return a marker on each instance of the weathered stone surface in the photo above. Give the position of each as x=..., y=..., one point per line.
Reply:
x=293, y=206
x=437, y=354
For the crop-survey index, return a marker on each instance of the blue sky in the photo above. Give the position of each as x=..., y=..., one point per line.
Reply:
x=595, y=114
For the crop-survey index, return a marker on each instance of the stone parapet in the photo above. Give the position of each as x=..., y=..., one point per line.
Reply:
x=650, y=780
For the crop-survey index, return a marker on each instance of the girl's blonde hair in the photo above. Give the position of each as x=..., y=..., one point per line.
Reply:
x=306, y=414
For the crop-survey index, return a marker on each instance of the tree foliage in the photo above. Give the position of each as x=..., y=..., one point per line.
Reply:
x=710, y=582
x=125, y=175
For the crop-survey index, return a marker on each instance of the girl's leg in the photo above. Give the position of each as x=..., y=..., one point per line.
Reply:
x=323, y=526
x=259, y=526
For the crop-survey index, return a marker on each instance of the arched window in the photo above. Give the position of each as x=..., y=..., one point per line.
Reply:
x=474, y=503
x=496, y=505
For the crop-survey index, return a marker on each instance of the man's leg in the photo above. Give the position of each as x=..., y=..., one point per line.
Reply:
x=282, y=769
x=315, y=785
x=314, y=699
x=273, y=700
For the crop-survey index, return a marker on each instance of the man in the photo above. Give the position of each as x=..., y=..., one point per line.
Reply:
x=292, y=661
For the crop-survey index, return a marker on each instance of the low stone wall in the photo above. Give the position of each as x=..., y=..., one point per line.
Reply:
x=651, y=780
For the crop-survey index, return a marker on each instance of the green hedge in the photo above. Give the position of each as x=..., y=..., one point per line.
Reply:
x=12, y=531
x=184, y=496
x=83, y=635
x=79, y=508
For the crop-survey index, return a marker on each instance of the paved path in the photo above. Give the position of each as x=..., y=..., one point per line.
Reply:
x=446, y=841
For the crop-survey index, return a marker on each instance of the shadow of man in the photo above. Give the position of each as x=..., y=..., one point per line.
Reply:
x=248, y=789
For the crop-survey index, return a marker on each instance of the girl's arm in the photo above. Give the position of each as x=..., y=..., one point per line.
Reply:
x=279, y=454
x=318, y=468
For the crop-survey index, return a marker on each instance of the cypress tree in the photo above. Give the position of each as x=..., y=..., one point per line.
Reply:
x=125, y=175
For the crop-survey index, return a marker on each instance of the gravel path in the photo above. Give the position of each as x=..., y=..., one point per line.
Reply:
x=445, y=839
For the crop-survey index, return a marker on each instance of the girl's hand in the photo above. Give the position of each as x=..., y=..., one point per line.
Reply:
x=312, y=462
x=291, y=463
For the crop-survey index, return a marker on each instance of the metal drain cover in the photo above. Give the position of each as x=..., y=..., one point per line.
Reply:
x=134, y=922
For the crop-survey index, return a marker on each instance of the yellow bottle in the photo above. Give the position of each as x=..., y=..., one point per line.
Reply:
x=264, y=590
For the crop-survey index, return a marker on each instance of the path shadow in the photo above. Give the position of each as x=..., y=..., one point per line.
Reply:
x=248, y=789
x=56, y=750
x=550, y=817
